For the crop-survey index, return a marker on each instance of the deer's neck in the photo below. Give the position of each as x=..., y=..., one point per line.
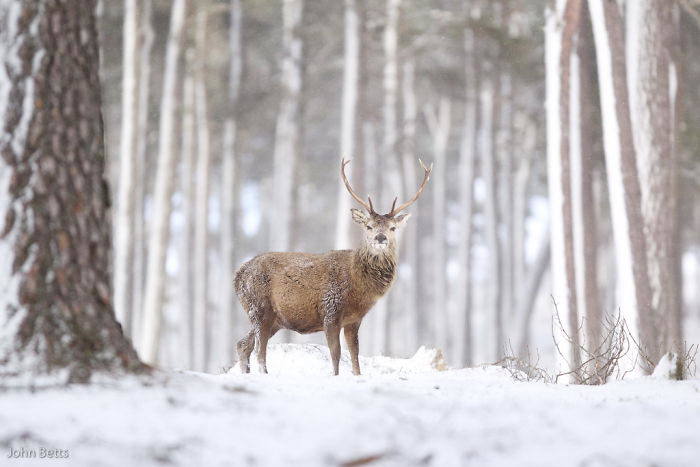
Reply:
x=374, y=270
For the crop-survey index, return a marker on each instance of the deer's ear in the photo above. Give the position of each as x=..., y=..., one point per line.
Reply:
x=359, y=216
x=401, y=219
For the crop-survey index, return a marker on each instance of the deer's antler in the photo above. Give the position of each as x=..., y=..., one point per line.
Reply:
x=368, y=207
x=426, y=176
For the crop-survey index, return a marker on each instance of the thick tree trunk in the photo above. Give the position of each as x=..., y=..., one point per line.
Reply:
x=288, y=129
x=439, y=124
x=159, y=235
x=350, y=132
x=56, y=312
x=634, y=292
x=650, y=25
x=228, y=185
x=561, y=25
x=202, y=331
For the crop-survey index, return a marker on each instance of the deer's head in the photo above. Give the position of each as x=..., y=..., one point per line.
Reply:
x=379, y=230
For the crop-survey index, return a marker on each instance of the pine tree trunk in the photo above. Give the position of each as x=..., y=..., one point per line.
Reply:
x=439, y=123
x=159, y=235
x=583, y=200
x=634, y=292
x=202, y=331
x=187, y=180
x=125, y=220
x=350, y=119
x=560, y=28
x=488, y=174
x=390, y=120
x=56, y=310
x=288, y=129
x=466, y=182
x=410, y=245
x=228, y=185
x=139, y=252
x=650, y=27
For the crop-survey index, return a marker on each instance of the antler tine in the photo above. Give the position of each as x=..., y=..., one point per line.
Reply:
x=426, y=176
x=393, y=205
x=368, y=207
x=371, y=208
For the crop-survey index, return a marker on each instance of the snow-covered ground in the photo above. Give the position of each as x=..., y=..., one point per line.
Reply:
x=399, y=413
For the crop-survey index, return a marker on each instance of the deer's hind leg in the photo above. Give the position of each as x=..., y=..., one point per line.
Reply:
x=265, y=332
x=245, y=347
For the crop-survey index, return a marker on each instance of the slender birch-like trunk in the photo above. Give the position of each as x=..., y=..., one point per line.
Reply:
x=187, y=181
x=228, y=178
x=125, y=220
x=390, y=115
x=288, y=128
x=350, y=118
x=582, y=112
x=139, y=250
x=561, y=25
x=202, y=331
x=634, y=292
x=466, y=181
x=409, y=242
x=159, y=235
x=439, y=124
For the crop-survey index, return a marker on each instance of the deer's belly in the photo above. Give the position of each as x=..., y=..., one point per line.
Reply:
x=297, y=311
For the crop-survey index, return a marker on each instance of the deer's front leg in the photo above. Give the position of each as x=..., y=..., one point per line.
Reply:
x=332, y=331
x=351, y=338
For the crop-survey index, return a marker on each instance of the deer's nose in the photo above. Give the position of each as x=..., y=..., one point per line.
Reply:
x=381, y=238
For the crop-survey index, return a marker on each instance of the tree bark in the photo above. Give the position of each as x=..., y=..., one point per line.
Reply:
x=650, y=29
x=288, y=129
x=202, y=331
x=634, y=292
x=390, y=119
x=350, y=132
x=561, y=25
x=488, y=174
x=139, y=252
x=583, y=113
x=228, y=181
x=439, y=124
x=125, y=220
x=159, y=235
x=187, y=180
x=466, y=182
x=410, y=245
x=55, y=246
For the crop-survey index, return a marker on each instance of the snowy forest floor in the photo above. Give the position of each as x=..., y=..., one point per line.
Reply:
x=401, y=412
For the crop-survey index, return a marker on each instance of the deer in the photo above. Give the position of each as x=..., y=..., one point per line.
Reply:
x=307, y=292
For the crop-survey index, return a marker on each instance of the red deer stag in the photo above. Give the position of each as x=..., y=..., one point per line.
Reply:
x=308, y=292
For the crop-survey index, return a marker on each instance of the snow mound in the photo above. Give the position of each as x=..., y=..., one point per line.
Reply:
x=314, y=360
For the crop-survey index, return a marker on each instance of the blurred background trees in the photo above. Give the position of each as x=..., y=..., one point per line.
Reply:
x=226, y=121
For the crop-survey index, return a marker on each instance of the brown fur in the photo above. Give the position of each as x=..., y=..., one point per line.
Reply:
x=318, y=292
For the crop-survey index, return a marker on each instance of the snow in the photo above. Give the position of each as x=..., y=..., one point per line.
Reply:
x=401, y=412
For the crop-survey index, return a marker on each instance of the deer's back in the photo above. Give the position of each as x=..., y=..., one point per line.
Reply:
x=295, y=285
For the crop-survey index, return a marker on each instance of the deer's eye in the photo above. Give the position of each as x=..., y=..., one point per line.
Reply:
x=369, y=227
x=392, y=229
